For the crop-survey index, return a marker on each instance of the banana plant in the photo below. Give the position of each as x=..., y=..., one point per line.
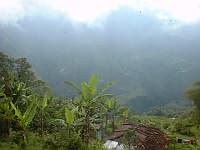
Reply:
x=115, y=110
x=112, y=111
x=125, y=113
x=6, y=114
x=42, y=106
x=70, y=120
x=16, y=93
x=6, y=110
x=24, y=119
x=90, y=103
x=19, y=94
x=19, y=91
x=70, y=116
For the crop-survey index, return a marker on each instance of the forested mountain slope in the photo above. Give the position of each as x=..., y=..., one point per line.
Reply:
x=152, y=62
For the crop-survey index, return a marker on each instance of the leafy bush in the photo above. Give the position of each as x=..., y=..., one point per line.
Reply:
x=62, y=141
x=96, y=146
x=75, y=143
x=165, y=125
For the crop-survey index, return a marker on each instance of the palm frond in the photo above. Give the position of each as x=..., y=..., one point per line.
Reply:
x=73, y=86
x=107, y=86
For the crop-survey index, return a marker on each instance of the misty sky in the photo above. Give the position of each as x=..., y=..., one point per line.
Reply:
x=91, y=11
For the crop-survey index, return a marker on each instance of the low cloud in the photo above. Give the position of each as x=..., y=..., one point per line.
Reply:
x=186, y=11
x=90, y=10
x=11, y=10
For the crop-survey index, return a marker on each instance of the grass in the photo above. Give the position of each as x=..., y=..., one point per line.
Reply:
x=175, y=128
x=184, y=147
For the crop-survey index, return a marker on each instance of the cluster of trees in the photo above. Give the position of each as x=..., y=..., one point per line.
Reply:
x=27, y=105
x=20, y=94
x=194, y=95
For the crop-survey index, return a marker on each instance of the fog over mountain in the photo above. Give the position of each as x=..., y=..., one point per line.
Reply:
x=153, y=61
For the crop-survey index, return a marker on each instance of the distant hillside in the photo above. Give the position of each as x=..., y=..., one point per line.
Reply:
x=152, y=62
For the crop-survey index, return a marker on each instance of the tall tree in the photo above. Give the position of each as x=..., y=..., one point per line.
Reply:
x=24, y=71
x=90, y=103
x=194, y=95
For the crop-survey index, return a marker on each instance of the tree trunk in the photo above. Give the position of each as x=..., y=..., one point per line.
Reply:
x=4, y=128
x=113, y=123
x=23, y=145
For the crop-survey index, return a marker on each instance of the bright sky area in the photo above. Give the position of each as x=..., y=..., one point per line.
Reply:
x=185, y=11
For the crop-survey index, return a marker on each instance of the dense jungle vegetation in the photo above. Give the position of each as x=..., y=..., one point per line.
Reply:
x=31, y=117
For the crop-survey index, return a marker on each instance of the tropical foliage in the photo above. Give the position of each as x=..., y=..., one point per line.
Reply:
x=194, y=95
x=32, y=118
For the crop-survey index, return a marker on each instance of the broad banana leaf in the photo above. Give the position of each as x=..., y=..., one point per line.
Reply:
x=31, y=111
x=17, y=111
x=73, y=86
x=69, y=116
x=28, y=116
x=107, y=86
x=44, y=102
x=93, y=85
x=85, y=91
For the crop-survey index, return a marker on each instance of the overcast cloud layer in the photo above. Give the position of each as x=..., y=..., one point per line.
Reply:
x=88, y=11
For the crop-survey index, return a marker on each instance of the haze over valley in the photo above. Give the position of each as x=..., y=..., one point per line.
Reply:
x=154, y=58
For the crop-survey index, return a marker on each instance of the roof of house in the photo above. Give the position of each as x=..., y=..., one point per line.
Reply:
x=149, y=137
